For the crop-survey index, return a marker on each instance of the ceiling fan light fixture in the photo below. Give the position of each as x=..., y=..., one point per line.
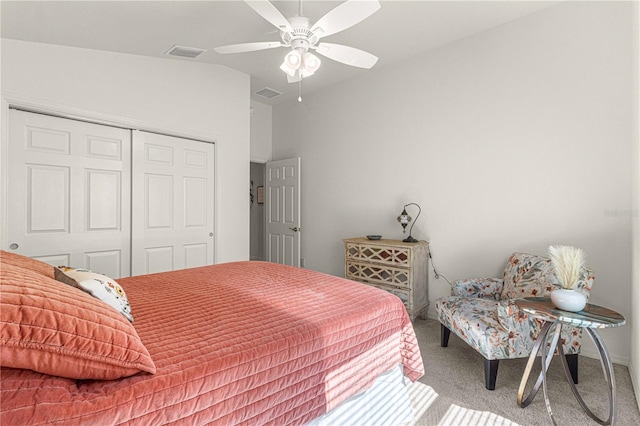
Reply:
x=292, y=62
x=293, y=59
x=287, y=69
x=310, y=63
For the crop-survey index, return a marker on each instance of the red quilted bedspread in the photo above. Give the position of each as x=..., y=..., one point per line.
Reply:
x=238, y=343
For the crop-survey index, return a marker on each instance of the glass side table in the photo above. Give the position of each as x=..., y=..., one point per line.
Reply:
x=590, y=318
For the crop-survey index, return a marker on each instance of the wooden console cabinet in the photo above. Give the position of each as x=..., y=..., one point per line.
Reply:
x=392, y=265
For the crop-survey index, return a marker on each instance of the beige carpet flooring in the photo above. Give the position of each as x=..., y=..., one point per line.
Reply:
x=452, y=390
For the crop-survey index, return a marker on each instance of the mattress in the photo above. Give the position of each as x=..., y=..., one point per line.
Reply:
x=237, y=343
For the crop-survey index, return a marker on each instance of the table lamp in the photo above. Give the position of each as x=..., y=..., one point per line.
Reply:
x=404, y=220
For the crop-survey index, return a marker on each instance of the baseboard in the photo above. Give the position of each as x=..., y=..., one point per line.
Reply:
x=634, y=384
x=431, y=312
x=614, y=359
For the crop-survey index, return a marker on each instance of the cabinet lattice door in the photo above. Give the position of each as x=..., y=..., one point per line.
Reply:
x=395, y=266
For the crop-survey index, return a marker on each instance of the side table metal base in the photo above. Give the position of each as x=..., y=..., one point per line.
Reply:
x=554, y=328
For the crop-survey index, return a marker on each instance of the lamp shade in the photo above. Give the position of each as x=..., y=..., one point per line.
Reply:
x=310, y=63
x=293, y=59
x=404, y=219
x=292, y=62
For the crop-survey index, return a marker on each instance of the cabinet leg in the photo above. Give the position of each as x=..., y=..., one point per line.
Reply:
x=423, y=314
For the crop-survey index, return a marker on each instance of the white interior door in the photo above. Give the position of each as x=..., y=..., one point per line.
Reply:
x=283, y=211
x=173, y=203
x=69, y=192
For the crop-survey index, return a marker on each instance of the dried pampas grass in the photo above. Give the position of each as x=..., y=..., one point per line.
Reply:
x=568, y=262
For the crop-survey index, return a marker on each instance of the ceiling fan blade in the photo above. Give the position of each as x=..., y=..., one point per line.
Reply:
x=344, y=16
x=347, y=55
x=247, y=47
x=269, y=12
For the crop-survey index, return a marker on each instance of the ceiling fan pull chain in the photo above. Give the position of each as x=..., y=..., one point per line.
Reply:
x=300, y=91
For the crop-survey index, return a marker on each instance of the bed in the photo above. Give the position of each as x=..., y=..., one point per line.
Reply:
x=236, y=343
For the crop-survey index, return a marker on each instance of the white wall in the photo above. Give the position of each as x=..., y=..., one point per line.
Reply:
x=634, y=363
x=510, y=140
x=261, y=130
x=183, y=98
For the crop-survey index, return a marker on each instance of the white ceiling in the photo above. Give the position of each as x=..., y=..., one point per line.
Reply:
x=399, y=30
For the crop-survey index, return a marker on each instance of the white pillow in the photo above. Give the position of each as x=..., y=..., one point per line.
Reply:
x=98, y=285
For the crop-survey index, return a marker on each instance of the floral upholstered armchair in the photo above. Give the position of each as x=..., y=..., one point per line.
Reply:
x=483, y=313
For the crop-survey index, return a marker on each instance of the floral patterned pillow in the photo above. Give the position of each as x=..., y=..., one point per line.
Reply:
x=98, y=285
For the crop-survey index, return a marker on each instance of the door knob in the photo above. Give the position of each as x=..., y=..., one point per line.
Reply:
x=13, y=246
x=295, y=229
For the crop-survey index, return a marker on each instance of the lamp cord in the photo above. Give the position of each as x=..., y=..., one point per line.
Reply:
x=436, y=274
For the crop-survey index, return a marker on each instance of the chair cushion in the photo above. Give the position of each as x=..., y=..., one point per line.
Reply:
x=476, y=321
x=489, y=288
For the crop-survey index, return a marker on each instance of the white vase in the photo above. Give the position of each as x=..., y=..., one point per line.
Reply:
x=568, y=300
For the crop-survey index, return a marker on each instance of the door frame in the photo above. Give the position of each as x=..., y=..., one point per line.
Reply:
x=41, y=106
x=264, y=214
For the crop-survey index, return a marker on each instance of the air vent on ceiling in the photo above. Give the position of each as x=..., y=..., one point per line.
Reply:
x=185, y=52
x=268, y=93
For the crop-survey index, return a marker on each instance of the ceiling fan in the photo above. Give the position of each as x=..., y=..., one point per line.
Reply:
x=298, y=34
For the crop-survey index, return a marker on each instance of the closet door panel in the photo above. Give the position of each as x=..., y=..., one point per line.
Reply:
x=47, y=191
x=158, y=196
x=173, y=203
x=195, y=202
x=69, y=192
x=195, y=255
x=107, y=262
x=104, y=205
x=158, y=259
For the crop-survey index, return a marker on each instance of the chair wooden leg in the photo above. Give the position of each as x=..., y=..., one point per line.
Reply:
x=490, y=373
x=572, y=362
x=444, y=336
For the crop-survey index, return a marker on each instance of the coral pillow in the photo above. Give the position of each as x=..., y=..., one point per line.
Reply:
x=50, y=327
x=24, y=262
x=98, y=285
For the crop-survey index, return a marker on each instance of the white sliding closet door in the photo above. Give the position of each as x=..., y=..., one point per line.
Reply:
x=173, y=203
x=68, y=193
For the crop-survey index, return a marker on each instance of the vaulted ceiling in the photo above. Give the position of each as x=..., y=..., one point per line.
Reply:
x=399, y=30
